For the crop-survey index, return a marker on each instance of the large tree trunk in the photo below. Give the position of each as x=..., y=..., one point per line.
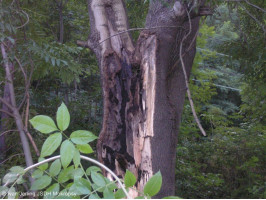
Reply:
x=143, y=94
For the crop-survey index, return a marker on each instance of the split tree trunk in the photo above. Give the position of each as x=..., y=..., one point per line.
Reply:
x=143, y=94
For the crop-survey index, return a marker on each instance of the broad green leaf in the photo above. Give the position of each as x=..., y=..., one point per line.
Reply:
x=53, y=61
x=20, y=180
x=84, y=148
x=153, y=186
x=107, y=194
x=69, y=185
x=41, y=183
x=81, y=187
x=82, y=137
x=3, y=190
x=65, y=174
x=10, y=177
x=12, y=193
x=17, y=169
x=140, y=197
x=55, y=168
x=94, y=196
x=78, y=173
x=76, y=158
x=37, y=173
x=92, y=169
x=98, y=179
x=111, y=185
x=43, y=123
x=97, y=188
x=67, y=151
x=120, y=194
x=62, y=117
x=52, y=191
x=43, y=166
x=51, y=144
x=130, y=179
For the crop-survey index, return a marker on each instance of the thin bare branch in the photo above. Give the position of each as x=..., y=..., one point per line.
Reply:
x=18, y=154
x=4, y=111
x=28, y=20
x=253, y=17
x=255, y=6
x=6, y=103
x=186, y=79
x=33, y=143
x=21, y=68
x=137, y=29
x=5, y=132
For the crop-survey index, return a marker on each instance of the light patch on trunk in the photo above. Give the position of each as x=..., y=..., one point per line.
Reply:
x=146, y=128
x=121, y=23
x=101, y=22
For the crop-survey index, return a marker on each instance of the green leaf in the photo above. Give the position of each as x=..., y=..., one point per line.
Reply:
x=43, y=166
x=82, y=137
x=65, y=174
x=67, y=151
x=41, y=183
x=55, y=168
x=12, y=193
x=10, y=177
x=81, y=187
x=84, y=148
x=92, y=169
x=62, y=117
x=37, y=173
x=153, y=186
x=94, y=196
x=43, y=123
x=52, y=191
x=120, y=194
x=130, y=179
x=53, y=61
x=111, y=185
x=3, y=191
x=17, y=169
x=140, y=197
x=76, y=158
x=78, y=173
x=98, y=179
x=20, y=180
x=51, y=144
x=107, y=194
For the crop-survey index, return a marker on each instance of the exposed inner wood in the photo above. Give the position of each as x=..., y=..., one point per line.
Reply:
x=128, y=91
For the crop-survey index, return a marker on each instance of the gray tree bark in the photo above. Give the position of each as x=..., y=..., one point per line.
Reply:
x=143, y=94
x=13, y=107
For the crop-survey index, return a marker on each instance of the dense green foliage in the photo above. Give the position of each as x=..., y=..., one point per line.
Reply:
x=230, y=97
x=227, y=85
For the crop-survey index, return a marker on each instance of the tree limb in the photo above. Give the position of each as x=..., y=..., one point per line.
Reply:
x=187, y=82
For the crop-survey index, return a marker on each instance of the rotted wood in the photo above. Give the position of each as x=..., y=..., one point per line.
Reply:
x=128, y=81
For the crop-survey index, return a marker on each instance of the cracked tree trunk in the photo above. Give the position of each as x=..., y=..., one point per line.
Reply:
x=142, y=101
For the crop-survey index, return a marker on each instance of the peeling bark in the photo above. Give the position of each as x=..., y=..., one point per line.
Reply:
x=142, y=103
